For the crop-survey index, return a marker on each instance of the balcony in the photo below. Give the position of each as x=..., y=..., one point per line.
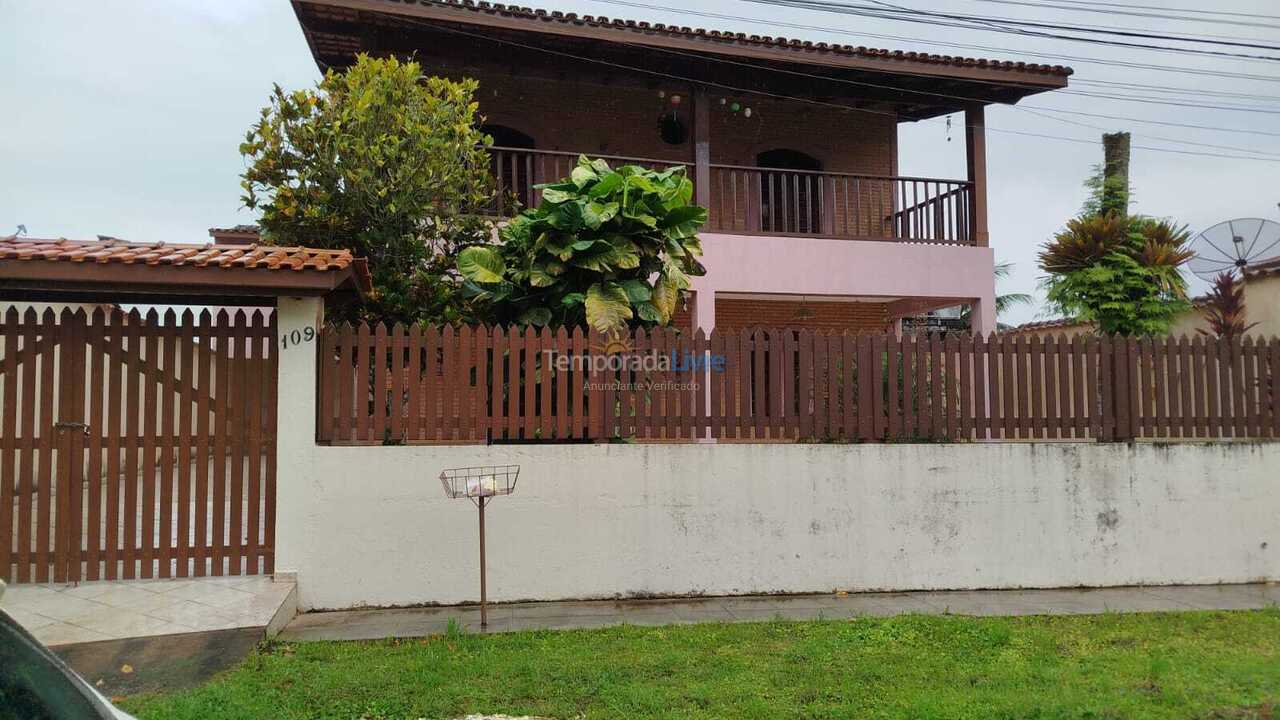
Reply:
x=767, y=201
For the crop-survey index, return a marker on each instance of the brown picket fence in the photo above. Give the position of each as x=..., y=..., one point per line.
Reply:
x=136, y=446
x=477, y=384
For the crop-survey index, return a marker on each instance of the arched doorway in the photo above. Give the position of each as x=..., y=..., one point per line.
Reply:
x=510, y=167
x=789, y=201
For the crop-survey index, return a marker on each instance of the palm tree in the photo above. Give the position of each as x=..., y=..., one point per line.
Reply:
x=1008, y=300
x=1003, y=302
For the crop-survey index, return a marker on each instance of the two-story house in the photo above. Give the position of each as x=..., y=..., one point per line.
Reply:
x=792, y=145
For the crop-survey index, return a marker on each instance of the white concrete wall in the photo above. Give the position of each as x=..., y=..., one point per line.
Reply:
x=371, y=526
x=296, y=433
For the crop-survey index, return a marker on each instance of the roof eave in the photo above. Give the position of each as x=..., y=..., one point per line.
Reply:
x=1036, y=80
x=141, y=280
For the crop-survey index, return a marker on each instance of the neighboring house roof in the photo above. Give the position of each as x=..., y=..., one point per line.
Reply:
x=1266, y=267
x=180, y=269
x=1042, y=325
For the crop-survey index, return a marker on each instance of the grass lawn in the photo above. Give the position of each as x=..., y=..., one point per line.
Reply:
x=1155, y=665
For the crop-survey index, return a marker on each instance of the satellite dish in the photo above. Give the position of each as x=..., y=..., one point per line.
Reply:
x=1234, y=245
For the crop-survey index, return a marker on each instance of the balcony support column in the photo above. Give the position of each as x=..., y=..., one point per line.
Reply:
x=975, y=145
x=701, y=146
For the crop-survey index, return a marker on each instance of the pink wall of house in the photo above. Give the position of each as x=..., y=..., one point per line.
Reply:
x=819, y=266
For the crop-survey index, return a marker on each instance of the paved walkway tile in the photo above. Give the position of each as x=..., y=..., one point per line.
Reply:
x=417, y=622
x=60, y=614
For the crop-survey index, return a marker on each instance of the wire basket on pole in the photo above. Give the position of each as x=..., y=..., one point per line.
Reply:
x=480, y=485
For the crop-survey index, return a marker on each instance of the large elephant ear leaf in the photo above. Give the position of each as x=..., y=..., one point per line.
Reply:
x=637, y=290
x=538, y=316
x=609, y=182
x=582, y=175
x=649, y=313
x=539, y=277
x=664, y=298
x=608, y=307
x=481, y=264
x=684, y=221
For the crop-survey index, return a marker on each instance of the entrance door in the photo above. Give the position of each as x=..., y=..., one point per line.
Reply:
x=136, y=446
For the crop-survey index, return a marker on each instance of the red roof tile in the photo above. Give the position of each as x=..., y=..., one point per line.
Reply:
x=1056, y=323
x=171, y=263
x=209, y=255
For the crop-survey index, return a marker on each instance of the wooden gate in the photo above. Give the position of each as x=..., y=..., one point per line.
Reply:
x=136, y=446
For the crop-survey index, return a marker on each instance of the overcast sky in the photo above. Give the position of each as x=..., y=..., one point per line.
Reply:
x=123, y=118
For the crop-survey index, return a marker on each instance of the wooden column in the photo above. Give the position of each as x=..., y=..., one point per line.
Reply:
x=701, y=147
x=975, y=146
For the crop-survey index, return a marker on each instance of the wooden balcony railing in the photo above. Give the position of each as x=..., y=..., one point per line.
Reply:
x=764, y=201
x=518, y=170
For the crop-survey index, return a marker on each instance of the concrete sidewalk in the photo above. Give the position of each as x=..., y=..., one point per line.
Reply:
x=72, y=613
x=417, y=622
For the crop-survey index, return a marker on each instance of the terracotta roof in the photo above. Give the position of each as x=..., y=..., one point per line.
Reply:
x=119, y=251
x=717, y=37
x=276, y=262
x=1047, y=325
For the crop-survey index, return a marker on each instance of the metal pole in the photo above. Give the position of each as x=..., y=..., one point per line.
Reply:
x=484, y=597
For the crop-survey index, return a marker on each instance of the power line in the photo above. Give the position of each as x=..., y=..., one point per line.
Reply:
x=1108, y=8
x=912, y=15
x=1153, y=137
x=863, y=83
x=1167, y=123
x=1166, y=101
x=723, y=86
x=1155, y=88
x=1169, y=89
x=1181, y=70
x=1226, y=40
x=962, y=98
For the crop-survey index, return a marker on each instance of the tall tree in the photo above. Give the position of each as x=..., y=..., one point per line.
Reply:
x=386, y=162
x=1118, y=271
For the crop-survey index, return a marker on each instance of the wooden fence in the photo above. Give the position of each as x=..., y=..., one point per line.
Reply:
x=422, y=385
x=136, y=446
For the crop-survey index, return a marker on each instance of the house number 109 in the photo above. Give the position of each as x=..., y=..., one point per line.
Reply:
x=297, y=337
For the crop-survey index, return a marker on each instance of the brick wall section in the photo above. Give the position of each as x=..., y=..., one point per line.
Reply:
x=578, y=116
x=736, y=314
x=623, y=120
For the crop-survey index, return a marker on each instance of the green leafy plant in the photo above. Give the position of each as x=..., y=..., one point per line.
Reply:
x=386, y=162
x=1119, y=272
x=609, y=247
x=1224, y=308
x=1107, y=194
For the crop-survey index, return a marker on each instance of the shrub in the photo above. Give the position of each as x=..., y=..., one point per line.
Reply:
x=609, y=247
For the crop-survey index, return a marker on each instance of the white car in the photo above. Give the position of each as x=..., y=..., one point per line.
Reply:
x=35, y=684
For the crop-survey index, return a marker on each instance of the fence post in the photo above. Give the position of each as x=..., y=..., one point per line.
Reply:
x=296, y=392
